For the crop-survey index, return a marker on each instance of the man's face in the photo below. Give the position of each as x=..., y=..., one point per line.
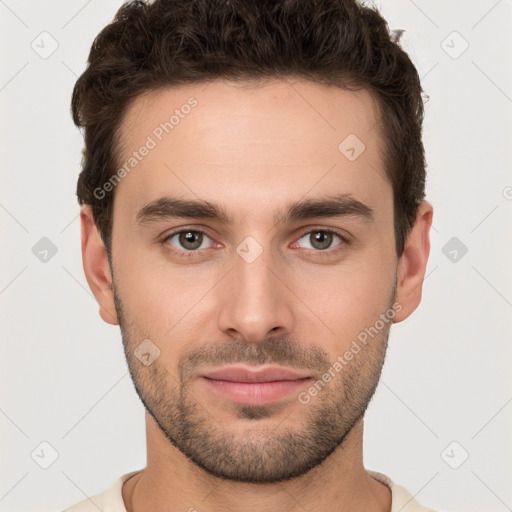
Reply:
x=258, y=288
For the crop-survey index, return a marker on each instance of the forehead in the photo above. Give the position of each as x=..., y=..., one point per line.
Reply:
x=283, y=103
x=245, y=140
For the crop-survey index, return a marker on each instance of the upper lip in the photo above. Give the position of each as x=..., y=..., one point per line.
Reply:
x=241, y=374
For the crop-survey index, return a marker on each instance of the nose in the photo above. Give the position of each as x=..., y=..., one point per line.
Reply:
x=254, y=301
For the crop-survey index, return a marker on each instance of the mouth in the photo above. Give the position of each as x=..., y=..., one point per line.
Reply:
x=259, y=387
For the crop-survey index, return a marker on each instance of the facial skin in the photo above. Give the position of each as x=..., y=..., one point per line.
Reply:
x=299, y=304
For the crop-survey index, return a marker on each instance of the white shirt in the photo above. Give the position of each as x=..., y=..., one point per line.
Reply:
x=111, y=500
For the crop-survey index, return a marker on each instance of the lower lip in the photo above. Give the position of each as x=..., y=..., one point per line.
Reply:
x=255, y=393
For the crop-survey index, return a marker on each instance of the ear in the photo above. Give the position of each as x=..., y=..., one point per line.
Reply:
x=413, y=262
x=96, y=267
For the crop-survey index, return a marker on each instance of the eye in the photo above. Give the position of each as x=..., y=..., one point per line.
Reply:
x=321, y=239
x=188, y=240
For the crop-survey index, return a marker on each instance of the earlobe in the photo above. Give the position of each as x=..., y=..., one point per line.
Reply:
x=96, y=267
x=413, y=263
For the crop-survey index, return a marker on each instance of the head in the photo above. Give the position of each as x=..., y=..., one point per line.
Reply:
x=252, y=193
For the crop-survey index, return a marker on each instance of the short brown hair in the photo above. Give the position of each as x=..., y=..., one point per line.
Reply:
x=175, y=42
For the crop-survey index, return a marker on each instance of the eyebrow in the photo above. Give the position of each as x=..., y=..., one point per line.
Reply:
x=168, y=207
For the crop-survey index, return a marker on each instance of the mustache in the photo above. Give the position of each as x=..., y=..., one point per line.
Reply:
x=280, y=350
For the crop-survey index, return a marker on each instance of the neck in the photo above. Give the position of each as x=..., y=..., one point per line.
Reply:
x=171, y=481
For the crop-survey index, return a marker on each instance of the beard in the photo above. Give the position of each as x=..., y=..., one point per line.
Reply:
x=261, y=451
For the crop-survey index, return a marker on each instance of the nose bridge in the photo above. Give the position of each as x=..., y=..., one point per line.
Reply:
x=254, y=301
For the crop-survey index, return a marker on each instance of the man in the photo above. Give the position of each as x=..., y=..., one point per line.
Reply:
x=253, y=218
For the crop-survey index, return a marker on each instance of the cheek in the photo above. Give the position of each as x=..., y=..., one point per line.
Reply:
x=163, y=301
x=146, y=297
x=341, y=301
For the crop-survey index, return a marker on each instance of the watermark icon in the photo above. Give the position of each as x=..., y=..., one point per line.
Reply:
x=351, y=147
x=146, y=352
x=304, y=397
x=44, y=45
x=454, y=45
x=152, y=140
x=455, y=455
x=454, y=249
x=249, y=249
x=44, y=250
x=44, y=455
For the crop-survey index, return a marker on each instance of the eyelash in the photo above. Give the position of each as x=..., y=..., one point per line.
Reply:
x=187, y=254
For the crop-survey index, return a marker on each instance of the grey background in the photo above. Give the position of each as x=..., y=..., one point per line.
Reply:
x=447, y=376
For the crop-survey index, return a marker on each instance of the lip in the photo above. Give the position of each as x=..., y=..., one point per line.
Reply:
x=259, y=387
x=243, y=374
